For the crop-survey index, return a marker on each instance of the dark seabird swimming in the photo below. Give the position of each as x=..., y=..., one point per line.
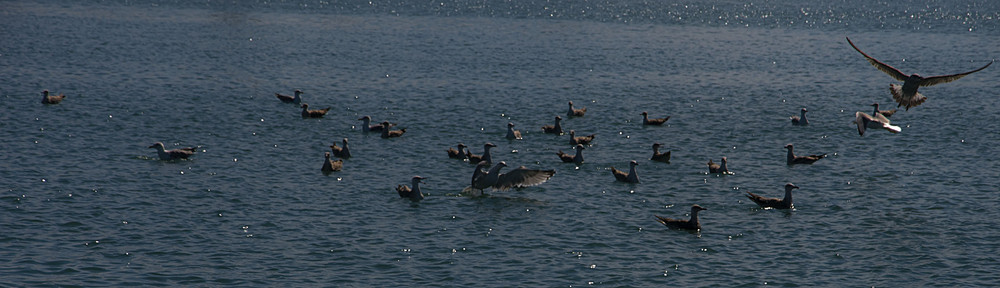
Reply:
x=886, y=113
x=573, y=140
x=389, y=133
x=330, y=166
x=717, y=168
x=906, y=94
x=575, y=112
x=368, y=127
x=341, y=151
x=457, y=154
x=511, y=133
x=289, y=99
x=878, y=121
x=578, y=158
x=51, y=99
x=414, y=193
x=517, y=178
x=691, y=224
x=660, y=157
x=486, y=157
x=175, y=154
x=800, y=120
x=630, y=177
x=792, y=159
x=553, y=129
x=654, y=121
x=306, y=113
x=766, y=202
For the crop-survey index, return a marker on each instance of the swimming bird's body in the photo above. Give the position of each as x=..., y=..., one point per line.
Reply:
x=554, y=129
x=389, y=133
x=174, y=154
x=306, y=113
x=906, y=94
x=290, y=99
x=457, y=154
x=791, y=159
x=51, y=99
x=485, y=157
x=368, y=127
x=718, y=168
x=660, y=157
x=631, y=177
x=800, y=120
x=653, y=121
x=690, y=224
x=573, y=140
x=330, y=166
x=886, y=113
x=575, y=112
x=578, y=158
x=767, y=202
x=413, y=193
x=511, y=133
x=341, y=151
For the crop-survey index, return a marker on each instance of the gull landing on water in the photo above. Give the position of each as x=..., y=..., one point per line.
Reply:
x=517, y=178
x=906, y=94
x=175, y=154
x=691, y=224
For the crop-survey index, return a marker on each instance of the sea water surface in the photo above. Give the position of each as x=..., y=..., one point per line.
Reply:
x=84, y=202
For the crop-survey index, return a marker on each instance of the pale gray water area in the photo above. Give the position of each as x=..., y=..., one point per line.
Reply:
x=86, y=203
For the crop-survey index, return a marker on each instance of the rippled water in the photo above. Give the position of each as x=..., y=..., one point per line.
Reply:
x=85, y=203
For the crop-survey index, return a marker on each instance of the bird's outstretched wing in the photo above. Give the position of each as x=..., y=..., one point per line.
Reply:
x=892, y=71
x=934, y=80
x=522, y=177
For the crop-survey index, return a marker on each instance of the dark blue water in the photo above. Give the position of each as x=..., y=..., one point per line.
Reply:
x=85, y=203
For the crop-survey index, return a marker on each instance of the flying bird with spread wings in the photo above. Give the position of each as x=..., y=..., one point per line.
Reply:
x=906, y=95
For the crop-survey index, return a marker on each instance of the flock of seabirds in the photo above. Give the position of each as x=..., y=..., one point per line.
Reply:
x=488, y=175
